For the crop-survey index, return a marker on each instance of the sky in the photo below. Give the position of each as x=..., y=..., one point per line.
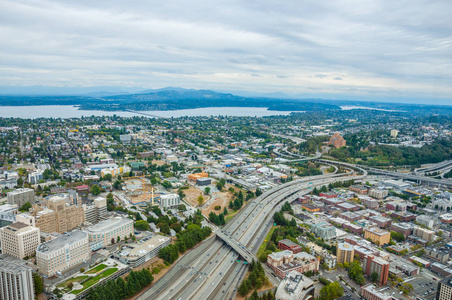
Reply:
x=348, y=49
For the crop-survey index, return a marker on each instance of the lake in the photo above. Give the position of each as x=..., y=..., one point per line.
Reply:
x=69, y=111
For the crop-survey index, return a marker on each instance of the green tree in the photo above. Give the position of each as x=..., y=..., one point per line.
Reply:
x=331, y=291
x=141, y=225
x=95, y=190
x=207, y=190
x=200, y=200
x=25, y=207
x=39, y=283
x=374, y=276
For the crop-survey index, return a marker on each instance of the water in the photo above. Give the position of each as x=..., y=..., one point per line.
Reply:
x=349, y=107
x=69, y=111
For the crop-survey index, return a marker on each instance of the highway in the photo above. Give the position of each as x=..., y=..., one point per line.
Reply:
x=211, y=270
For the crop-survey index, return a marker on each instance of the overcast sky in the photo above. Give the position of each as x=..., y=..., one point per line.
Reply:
x=347, y=49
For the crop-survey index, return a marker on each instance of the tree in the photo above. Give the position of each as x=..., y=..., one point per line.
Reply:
x=331, y=291
x=141, y=225
x=82, y=270
x=374, y=276
x=108, y=177
x=95, y=190
x=207, y=190
x=39, y=283
x=200, y=200
x=25, y=207
x=397, y=236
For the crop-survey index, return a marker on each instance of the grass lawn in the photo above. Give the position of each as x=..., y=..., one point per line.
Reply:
x=95, y=279
x=264, y=243
x=75, y=279
x=96, y=269
x=230, y=215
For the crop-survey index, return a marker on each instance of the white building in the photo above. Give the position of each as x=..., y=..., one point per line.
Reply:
x=8, y=212
x=35, y=177
x=110, y=229
x=142, y=251
x=425, y=220
x=19, y=240
x=16, y=281
x=21, y=196
x=62, y=253
x=169, y=200
x=295, y=286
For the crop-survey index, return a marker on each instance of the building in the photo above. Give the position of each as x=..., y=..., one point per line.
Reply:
x=438, y=255
x=425, y=220
x=337, y=140
x=35, y=177
x=295, y=287
x=58, y=216
x=138, y=253
x=373, y=264
x=370, y=203
x=441, y=269
x=203, y=181
x=63, y=253
x=425, y=234
x=444, y=289
x=359, y=189
x=96, y=212
x=16, y=281
x=109, y=230
x=169, y=200
x=377, y=236
x=369, y=292
x=329, y=259
x=19, y=240
x=21, y=196
x=196, y=176
x=382, y=222
x=394, y=133
x=289, y=245
x=402, y=228
x=378, y=193
x=8, y=212
x=345, y=253
x=324, y=230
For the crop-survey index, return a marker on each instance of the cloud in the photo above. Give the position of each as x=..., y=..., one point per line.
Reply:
x=383, y=48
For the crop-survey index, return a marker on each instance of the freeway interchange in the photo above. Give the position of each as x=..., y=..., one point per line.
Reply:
x=215, y=268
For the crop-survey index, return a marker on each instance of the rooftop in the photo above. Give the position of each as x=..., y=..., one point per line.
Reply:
x=62, y=241
x=108, y=224
x=144, y=246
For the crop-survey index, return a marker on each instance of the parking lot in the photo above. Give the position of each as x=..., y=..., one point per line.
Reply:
x=423, y=287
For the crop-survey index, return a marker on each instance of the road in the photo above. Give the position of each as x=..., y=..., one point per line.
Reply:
x=211, y=271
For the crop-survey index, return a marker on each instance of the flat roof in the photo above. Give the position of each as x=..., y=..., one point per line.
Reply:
x=108, y=224
x=61, y=241
x=144, y=246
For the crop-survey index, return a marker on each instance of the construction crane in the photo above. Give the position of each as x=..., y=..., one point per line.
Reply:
x=143, y=182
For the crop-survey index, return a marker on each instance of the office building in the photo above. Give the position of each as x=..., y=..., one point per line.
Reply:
x=444, y=289
x=16, y=281
x=21, y=196
x=324, y=230
x=377, y=235
x=295, y=287
x=109, y=230
x=19, y=240
x=289, y=245
x=345, y=253
x=63, y=253
x=169, y=200
x=375, y=264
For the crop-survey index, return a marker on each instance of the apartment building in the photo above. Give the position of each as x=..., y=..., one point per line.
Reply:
x=109, y=230
x=424, y=234
x=169, y=200
x=425, y=220
x=16, y=281
x=370, y=292
x=19, y=240
x=345, y=253
x=444, y=290
x=62, y=253
x=373, y=264
x=377, y=235
x=21, y=196
x=377, y=193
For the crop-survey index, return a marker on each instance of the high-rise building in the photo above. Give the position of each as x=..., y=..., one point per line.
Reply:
x=62, y=253
x=424, y=234
x=444, y=289
x=58, y=216
x=21, y=196
x=19, y=240
x=96, y=212
x=16, y=281
x=380, y=266
x=345, y=253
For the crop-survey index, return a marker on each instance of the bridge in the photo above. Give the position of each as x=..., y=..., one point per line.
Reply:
x=236, y=245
